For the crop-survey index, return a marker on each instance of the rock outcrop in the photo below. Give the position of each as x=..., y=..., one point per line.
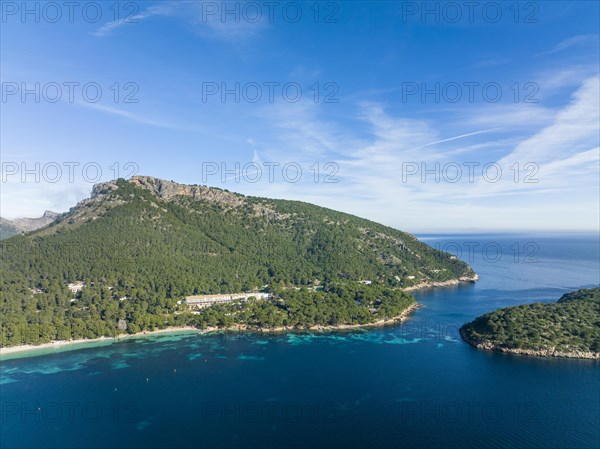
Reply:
x=168, y=190
x=451, y=282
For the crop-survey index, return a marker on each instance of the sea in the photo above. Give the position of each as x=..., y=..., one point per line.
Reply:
x=414, y=385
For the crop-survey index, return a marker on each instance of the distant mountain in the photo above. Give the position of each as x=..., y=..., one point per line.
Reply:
x=9, y=228
x=151, y=242
x=567, y=328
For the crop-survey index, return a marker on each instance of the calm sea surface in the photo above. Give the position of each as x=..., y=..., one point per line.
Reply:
x=416, y=385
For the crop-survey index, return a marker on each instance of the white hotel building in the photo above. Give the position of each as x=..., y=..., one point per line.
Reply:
x=202, y=301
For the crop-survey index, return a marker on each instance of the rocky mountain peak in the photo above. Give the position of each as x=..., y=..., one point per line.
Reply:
x=168, y=190
x=50, y=214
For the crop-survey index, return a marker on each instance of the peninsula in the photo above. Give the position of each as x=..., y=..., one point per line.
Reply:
x=130, y=258
x=567, y=328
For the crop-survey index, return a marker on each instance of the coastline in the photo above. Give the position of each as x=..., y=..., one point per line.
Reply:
x=489, y=346
x=450, y=283
x=336, y=327
x=66, y=345
x=23, y=351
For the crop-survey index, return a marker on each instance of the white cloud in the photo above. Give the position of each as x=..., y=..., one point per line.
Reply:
x=575, y=128
x=562, y=142
x=370, y=145
x=31, y=199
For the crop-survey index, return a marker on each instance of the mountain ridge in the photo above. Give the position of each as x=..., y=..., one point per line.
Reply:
x=137, y=248
x=8, y=228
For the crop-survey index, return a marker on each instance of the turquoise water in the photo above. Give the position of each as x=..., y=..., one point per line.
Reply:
x=414, y=385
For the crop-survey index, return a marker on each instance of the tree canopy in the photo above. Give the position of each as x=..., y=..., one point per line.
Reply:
x=138, y=254
x=569, y=325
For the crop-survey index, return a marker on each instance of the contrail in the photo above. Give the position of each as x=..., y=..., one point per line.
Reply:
x=453, y=138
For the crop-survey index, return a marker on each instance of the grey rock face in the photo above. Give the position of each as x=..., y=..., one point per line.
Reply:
x=30, y=224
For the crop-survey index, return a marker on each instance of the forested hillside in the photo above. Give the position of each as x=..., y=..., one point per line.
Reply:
x=140, y=246
x=569, y=326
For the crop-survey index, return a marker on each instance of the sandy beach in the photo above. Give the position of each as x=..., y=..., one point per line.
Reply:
x=48, y=348
x=76, y=344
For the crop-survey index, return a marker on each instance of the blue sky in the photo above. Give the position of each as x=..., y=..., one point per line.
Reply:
x=425, y=116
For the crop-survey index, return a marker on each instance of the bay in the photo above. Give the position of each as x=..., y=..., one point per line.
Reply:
x=415, y=385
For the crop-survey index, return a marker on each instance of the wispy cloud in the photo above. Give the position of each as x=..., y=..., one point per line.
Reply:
x=581, y=39
x=207, y=22
x=561, y=142
x=214, y=27
x=167, y=9
x=125, y=114
x=507, y=116
x=575, y=127
x=19, y=199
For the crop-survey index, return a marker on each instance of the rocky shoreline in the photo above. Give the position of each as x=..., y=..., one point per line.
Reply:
x=549, y=352
x=395, y=320
x=450, y=283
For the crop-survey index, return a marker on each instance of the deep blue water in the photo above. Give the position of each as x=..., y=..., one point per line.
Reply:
x=416, y=385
